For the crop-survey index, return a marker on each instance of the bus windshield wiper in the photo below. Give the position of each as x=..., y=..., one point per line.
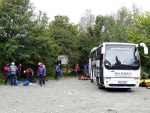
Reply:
x=123, y=66
x=130, y=66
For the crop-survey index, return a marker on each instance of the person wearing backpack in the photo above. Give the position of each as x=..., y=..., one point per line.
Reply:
x=12, y=70
x=6, y=73
x=41, y=74
x=57, y=70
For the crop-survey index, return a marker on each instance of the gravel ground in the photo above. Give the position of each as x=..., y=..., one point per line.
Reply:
x=72, y=96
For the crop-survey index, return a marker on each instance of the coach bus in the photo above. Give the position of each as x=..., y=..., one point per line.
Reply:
x=116, y=65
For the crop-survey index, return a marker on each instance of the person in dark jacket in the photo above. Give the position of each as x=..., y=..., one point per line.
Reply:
x=41, y=74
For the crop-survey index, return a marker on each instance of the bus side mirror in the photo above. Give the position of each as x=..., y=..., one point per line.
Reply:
x=145, y=50
x=103, y=51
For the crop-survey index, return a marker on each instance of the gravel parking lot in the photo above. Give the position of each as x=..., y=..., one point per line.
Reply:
x=72, y=96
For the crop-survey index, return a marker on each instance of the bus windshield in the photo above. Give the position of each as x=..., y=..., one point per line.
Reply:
x=121, y=57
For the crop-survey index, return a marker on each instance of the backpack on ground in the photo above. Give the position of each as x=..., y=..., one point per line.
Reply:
x=12, y=69
x=41, y=69
x=26, y=83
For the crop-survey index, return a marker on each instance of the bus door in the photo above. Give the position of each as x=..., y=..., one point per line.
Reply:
x=101, y=69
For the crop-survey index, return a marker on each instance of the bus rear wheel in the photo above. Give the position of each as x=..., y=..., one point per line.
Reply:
x=98, y=84
x=97, y=80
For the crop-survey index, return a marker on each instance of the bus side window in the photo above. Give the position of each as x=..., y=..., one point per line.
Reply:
x=98, y=54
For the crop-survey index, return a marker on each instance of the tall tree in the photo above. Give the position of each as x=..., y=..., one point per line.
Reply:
x=123, y=19
x=65, y=35
x=16, y=27
x=140, y=32
x=87, y=20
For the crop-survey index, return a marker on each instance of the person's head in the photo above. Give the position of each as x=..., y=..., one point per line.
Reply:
x=58, y=64
x=20, y=65
x=13, y=63
x=41, y=65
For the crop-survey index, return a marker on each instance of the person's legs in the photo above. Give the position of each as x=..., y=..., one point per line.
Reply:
x=40, y=80
x=19, y=75
x=15, y=78
x=6, y=78
x=76, y=74
x=30, y=78
x=43, y=80
x=11, y=80
x=56, y=76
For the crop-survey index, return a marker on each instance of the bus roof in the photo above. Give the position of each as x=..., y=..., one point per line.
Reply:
x=93, y=49
x=119, y=43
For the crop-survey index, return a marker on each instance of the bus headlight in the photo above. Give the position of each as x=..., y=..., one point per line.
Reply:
x=107, y=78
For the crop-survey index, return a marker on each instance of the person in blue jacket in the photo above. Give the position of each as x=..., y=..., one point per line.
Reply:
x=86, y=70
x=41, y=74
x=57, y=70
x=13, y=70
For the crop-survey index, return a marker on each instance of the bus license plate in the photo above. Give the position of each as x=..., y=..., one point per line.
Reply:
x=122, y=82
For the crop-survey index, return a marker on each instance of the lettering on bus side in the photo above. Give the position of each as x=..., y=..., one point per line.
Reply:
x=123, y=74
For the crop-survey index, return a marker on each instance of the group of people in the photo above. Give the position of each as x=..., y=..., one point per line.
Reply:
x=12, y=70
x=86, y=70
x=15, y=73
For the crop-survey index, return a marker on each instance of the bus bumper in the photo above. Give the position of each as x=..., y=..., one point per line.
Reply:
x=121, y=82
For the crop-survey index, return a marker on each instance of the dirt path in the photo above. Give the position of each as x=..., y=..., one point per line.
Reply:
x=72, y=96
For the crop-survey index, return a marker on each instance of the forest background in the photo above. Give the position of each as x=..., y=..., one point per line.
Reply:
x=27, y=37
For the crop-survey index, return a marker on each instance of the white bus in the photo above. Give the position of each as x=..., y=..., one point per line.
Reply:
x=116, y=65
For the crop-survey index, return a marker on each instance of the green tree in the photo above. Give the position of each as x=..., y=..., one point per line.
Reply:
x=140, y=32
x=15, y=29
x=25, y=38
x=65, y=35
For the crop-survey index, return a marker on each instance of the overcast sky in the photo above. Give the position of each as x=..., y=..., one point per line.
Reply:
x=75, y=8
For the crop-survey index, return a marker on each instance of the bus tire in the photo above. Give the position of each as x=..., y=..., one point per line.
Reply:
x=99, y=86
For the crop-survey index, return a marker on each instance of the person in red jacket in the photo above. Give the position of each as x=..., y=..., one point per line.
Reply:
x=29, y=74
x=6, y=73
x=77, y=69
x=19, y=71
